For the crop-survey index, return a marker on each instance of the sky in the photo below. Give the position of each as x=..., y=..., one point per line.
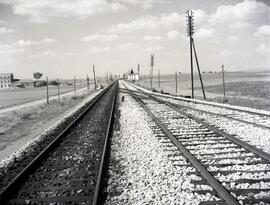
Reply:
x=64, y=38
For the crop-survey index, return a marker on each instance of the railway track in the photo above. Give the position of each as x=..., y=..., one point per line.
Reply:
x=70, y=168
x=248, y=116
x=237, y=172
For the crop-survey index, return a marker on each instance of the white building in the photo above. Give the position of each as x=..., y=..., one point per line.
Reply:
x=134, y=76
x=6, y=80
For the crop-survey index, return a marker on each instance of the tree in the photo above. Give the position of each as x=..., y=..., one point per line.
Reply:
x=37, y=75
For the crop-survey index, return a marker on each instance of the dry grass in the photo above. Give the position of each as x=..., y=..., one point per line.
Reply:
x=17, y=124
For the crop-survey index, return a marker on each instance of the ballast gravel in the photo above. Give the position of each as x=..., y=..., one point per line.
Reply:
x=256, y=136
x=140, y=170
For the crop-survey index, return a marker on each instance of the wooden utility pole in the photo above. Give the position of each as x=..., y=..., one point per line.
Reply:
x=74, y=83
x=94, y=73
x=223, y=79
x=152, y=68
x=179, y=84
x=158, y=78
x=87, y=82
x=190, y=30
x=176, y=82
x=138, y=70
x=107, y=78
x=47, y=89
x=58, y=90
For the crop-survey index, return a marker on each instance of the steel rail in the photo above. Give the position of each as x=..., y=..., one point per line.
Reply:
x=104, y=152
x=237, y=141
x=212, y=113
x=223, y=193
x=206, y=103
x=13, y=186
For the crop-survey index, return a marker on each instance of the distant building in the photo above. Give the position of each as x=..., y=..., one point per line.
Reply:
x=24, y=84
x=133, y=76
x=6, y=80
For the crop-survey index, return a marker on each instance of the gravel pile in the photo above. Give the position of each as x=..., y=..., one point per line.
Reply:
x=145, y=167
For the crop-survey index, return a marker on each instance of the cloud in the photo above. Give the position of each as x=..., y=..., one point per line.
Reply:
x=42, y=11
x=232, y=39
x=244, y=11
x=24, y=43
x=99, y=37
x=127, y=46
x=225, y=53
x=43, y=54
x=263, y=32
x=150, y=23
x=5, y=30
x=239, y=25
x=8, y=52
x=154, y=49
x=152, y=38
x=145, y=4
x=172, y=35
x=205, y=33
x=98, y=50
x=263, y=50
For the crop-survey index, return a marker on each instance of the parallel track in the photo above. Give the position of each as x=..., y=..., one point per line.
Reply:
x=257, y=119
x=69, y=170
x=232, y=167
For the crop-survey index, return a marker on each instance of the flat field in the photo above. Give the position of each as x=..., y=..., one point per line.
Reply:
x=20, y=126
x=10, y=97
x=251, y=89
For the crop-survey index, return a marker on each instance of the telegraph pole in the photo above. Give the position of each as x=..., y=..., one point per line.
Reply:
x=87, y=82
x=74, y=84
x=58, y=89
x=152, y=68
x=176, y=82
x=94, y=77
x=47, y=89
x=138, y=70
x=190, y=30
x=158, y=79
x=223, y=80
